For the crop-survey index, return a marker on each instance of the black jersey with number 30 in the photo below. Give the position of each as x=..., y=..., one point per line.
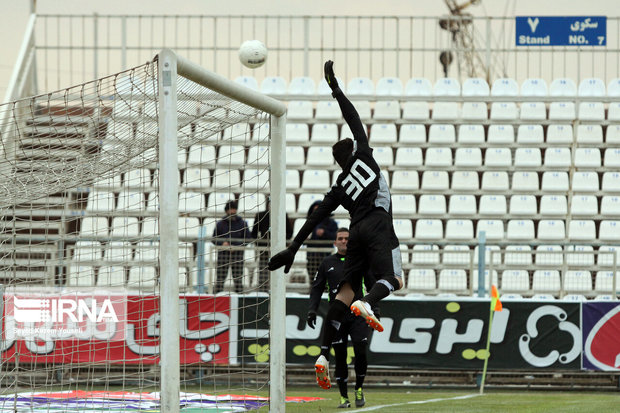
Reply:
x=360, y=188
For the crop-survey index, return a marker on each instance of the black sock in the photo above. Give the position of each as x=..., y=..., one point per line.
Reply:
x=361, y=363
x=336, y=313
x=342, y=386
x=377, y=293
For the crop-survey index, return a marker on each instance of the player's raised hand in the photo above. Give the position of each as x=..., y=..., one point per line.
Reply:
x=330, y=78
x=282, y=259
x=311, y=319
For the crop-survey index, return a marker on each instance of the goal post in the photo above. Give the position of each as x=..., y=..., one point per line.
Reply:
x=171, y=65
x=112, y=193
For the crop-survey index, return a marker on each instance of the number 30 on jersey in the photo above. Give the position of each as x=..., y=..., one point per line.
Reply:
x=359, y=177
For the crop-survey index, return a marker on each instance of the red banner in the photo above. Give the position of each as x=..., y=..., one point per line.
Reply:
x=64, y=334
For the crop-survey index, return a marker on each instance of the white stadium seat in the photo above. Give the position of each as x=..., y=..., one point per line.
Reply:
x=546, y=281
x=435, y=180
x=518, y=255
x=584, y=205
x=610, y=206
x=587, y=158
x=445, y=111
x=501, y=134
x=592, y=87
x=405, y=180
x=130, y=201
x=441, y=134
x=315, y=179
x=612, y=157
x=447, y=86
x=188, y=227
x=387, y=110
x=523, y=205
x=383, y=133
x=226, y=178
x=197, y=178
x=515, y=281
x=591, y=111
x=611, y=182
x=468, y=134
x=580, y=255
x=578, y=281
x=302, y=85
x=504, y=111
x=558, y=133
x=530, y=134
x=437, y=156
x=494, y=181
x=320, y=156
x=384, y=156
x=527, y=158
x=81, y=275
x=327, y=110
x=324, y=133
x=389, y=86
x=229, y=155
x=273, y=85
x=418, y=86
x=412, y=133
x=119, y=250
x=563, y=87
x=585, y=181
x=360, y=86
x=554, y=181
x=462, y=205
x=590, y=134
x=553, y=205
x=141, y=277
x=465, y=181
x=100, y=201
x=558, y=157
x=520, y=230
x=536, y=111
x=505, y=87
x=429, y=229
x=422, y=254
x=452, y=280
x=408, y=156
x=403, y=228
x=609, y=231
x=421, y=280
x=525, y=181
x=549, y=255
x=474, y=111
x=494, y=229
x=562, y=111
x=459, y=229
x=492, y=205
x=468, y=157
x=403, y=204
x=111, y=276
x=248, y=81
x=498, y=157
x=299, y=110
x=432, y=205
x=534, y=87
x=582, y=230
x=125, y=227
x=87, y=251
x=415, y=111
x=551, y=230
x=475, y=86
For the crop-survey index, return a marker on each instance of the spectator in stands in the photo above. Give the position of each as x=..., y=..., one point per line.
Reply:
x=324, y=231
x=261, y=232
x=230, y=231
x=330, y=274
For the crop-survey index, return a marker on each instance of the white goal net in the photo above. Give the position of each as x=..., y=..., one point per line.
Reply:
x=81, y=235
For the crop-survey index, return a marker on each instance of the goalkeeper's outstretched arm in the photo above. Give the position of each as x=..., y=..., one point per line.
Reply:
x=346, y=107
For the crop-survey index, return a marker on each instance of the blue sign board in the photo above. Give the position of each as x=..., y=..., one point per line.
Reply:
x=561, y=31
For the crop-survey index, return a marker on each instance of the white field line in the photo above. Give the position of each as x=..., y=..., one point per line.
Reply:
x=368, y=409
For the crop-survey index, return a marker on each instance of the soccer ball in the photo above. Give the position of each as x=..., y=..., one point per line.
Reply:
x=253, y=54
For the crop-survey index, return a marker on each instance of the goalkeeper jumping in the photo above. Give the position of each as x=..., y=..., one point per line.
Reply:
x=373, y=246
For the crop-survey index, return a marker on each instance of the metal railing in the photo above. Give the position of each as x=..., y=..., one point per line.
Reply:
x=71, y=49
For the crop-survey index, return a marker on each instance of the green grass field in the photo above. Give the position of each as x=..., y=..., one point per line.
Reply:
x=404, y=400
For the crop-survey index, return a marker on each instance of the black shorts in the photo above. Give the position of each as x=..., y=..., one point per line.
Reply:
x=355, y=327
x=373, y=247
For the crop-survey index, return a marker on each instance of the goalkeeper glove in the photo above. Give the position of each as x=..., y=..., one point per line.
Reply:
x=283, y=258
x=330, y=78
x=311, y=320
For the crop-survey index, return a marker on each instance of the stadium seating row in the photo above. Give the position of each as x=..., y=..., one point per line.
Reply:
x=141, y=277
x=299, y=110
x=392, y=86
x=229, y=181
x=517, y=281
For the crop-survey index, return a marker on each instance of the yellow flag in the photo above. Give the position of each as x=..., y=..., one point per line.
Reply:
x=496, y=304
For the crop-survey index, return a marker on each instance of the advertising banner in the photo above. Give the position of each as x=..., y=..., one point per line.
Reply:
x=443, y=334
x=112, y=328
x=601, y=336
